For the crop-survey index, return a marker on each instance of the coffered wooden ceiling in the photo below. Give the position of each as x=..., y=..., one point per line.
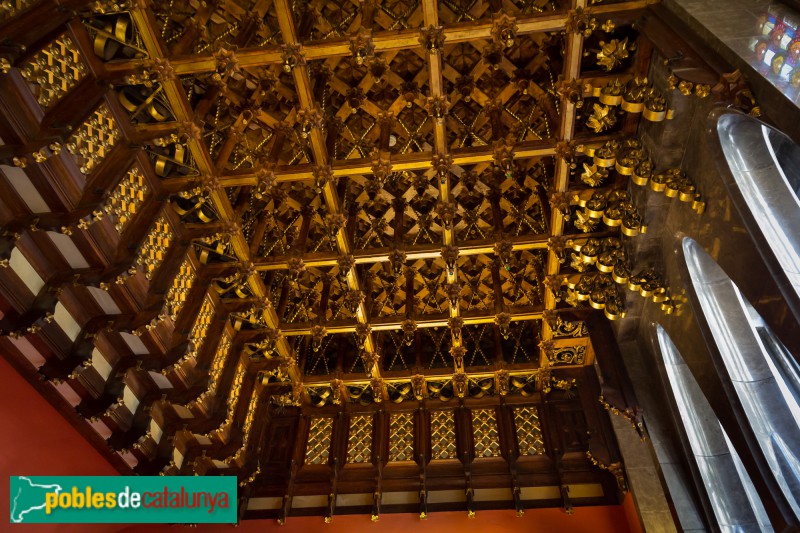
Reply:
x=247, y=207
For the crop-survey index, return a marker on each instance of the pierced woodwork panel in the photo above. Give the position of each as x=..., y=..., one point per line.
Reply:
x=497, y=90
x=359, y=439
x=397, y=354
x=318, y=444
x=401, y=436
x=195, y=28
x=313, y=294
x=399, y=14
x=389, y=288
x=400, y=391
x=455, y=11
x=249, y=116
x=485, y=434
x=155, y=246
x=327, y=19
x=529, y=430
x=435, y=347
x=443, y=435
x=54, y=70
x=324, y=355
x=218, y=363
x=235, y=391
x=205, y=315
x=127, y=198
x=518, y=280
x=374, y=216
x=521, y=345
x=522, y=278
x=179, y=290
x=247, y=425
x=293, y=220
x=90, y=143
x=113, y=33
x=479, y=340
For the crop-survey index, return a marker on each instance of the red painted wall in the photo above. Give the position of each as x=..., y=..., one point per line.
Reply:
x=36, y=440
x=585, y=520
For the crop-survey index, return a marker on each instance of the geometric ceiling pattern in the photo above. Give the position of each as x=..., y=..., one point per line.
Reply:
x=341, y=201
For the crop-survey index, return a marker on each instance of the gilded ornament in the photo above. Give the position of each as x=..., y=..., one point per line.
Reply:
x=602, y=118
x=612, y=54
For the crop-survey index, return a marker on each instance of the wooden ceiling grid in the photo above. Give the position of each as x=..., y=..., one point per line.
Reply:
x=319, y=267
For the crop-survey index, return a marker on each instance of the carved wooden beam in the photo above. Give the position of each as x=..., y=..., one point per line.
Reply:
x=311, y=111
x=176, y=96
x=385, y=41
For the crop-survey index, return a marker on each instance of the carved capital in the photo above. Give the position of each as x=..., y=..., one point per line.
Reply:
x=377, y=389
x=370, y=360
x=361, y=46
x=458, y=353
x=565, y=150
x=409, y=329
x=346, y=263
x=296, y=266
x=502, y=250
x=162, y=69
x=455, y=324
x=493, y=54
x=504, y=29
x=309, y=119
x=334, y=222
x=265, y=182
x=560, y=202
x=323, y=174
x=226, y=60
x=381, y=169
x=418, y=383
x=447, y=212
x=362, y=331
x=465, y=85
x=460, y=384
x=503, y=321
x=503, y=155
x=450, y=256
x=292, y=56
x=442, y=163
x=548, y=349
x=437, y=107
x=352, y=299
x=551, y=318
x=580, y=21
x=502, y=381
x=318, y=333
x=397, y=258
x=432, y=38
x=571, y=91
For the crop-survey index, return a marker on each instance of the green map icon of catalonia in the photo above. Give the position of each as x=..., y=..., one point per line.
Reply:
x=28, y=498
